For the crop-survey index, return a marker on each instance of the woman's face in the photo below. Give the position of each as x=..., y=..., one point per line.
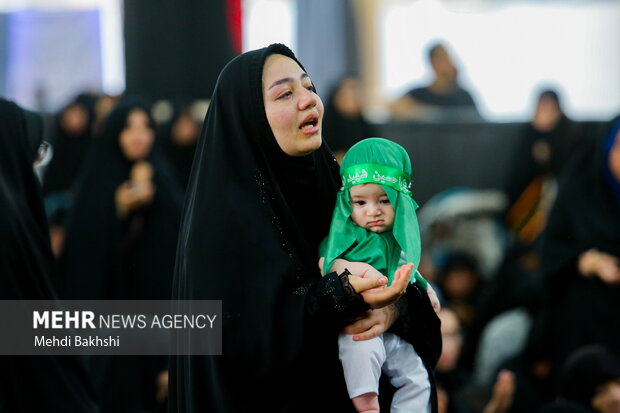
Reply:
x=74, y=120
x=348, y=100
x=614, y=158
x=137, y=137
x=294, y=111
x=185, y=131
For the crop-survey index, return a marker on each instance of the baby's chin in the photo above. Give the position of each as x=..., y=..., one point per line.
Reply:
x=378, y=230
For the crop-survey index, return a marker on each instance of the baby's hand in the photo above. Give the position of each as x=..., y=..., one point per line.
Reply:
x=371, y=272
x=321, y=262
x=432, y=295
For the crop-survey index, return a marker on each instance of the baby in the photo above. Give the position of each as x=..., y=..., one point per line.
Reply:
x=373, y=224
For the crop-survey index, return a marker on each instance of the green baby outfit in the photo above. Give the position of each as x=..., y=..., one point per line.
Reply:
x=380, y=161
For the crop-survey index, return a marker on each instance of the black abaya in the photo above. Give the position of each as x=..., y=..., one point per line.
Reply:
x=581, y=310
x=106, y=257
x=69, y=150
x=253, y=220
x=30, y=384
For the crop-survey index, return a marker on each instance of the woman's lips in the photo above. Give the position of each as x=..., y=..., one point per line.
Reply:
x=310, y=130
x=310, y=124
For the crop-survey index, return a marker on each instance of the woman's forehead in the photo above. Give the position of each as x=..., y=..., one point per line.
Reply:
x=278, y=66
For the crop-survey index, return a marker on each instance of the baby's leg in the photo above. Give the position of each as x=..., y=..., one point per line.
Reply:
x=407, y=373
x=361, y=362
x=366, y=403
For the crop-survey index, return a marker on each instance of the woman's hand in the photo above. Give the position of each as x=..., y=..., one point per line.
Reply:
x=131, y=196
x=603, y=265
x=162, y=386
x=373, y=323
x=377, y=298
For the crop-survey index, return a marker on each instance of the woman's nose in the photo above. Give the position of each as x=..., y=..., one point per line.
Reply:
x=308, y=99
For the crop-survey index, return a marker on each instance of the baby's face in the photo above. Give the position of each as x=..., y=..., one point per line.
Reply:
x=372, y=209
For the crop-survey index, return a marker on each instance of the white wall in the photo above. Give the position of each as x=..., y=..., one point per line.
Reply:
x=507, y=50
x=268, y=21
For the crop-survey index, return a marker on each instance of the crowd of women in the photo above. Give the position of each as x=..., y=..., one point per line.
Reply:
x=138, y=209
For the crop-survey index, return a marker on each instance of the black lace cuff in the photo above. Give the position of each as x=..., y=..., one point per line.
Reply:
x=335, y=300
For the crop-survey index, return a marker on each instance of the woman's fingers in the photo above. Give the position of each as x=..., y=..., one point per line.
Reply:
x=374, y=331
x=363, y=284
x=360, y=325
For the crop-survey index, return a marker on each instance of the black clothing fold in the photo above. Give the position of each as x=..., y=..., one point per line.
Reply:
x=44, y=383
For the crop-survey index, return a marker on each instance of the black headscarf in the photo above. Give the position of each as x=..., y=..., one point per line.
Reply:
x=69, y=150
x=253, y=220
x=340, y=131
x=585, y=370
x=28, y=384
x=179, y=156
x=109, y=258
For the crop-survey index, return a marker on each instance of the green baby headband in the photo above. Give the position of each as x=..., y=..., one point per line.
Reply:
x=377, y=174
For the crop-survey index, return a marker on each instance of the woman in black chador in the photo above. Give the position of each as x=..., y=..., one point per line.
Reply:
x=121, y=233
x=581, y=254
x=30, y=384
x=73, y=132
x=344, y=123
x=260, y=200
x=121, y=242
x=178, y=138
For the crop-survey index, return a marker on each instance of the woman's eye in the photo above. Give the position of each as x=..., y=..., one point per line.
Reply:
x=285, y=95
x=311, y=88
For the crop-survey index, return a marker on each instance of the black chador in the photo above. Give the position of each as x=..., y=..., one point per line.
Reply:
x=44, y=383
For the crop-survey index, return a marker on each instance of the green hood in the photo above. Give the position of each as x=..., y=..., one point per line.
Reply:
x=376, y=160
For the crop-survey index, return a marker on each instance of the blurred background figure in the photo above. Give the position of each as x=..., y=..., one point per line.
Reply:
x=580, y=254
x=548, y=142
x=344, y=123
x=444, y=97
x=178, y=138
x=459, y=282
x=71, y=138
x=104, y=105
x=546, y=146
x=72, y=135
x=590, y=379
x=465, y=220
x=121, y=244
x=457, y=391
x=73, y=130
x=27, y=272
